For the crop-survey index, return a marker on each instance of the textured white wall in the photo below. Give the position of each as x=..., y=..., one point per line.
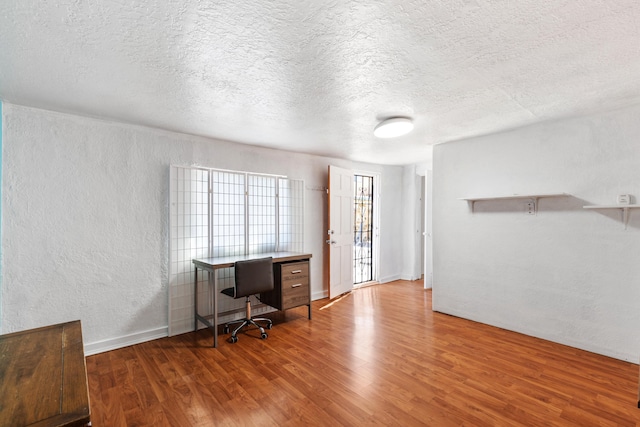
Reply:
x=85, y=221
x=1, y=132
x=568, y=274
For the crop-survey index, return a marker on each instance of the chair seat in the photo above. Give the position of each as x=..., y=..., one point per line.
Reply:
x=230, y=292
x=252, y=277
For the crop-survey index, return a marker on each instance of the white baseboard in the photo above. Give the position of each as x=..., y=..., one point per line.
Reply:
x=409, y=278
x=390, y=279
x=319, y=295
x=124, y=341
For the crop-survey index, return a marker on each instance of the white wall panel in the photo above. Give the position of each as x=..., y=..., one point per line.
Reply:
x=189, y=238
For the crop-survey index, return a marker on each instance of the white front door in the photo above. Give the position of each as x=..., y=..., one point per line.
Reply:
x=340, y=233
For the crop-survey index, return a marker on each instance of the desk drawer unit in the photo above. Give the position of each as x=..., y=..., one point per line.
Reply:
x=291, y=286
x=295, y=284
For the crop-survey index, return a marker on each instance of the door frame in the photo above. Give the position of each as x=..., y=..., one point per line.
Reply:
x=428, y=229
x=376, y=223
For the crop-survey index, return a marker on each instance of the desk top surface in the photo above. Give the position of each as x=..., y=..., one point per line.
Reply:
x=228, y=261
x=44, y=377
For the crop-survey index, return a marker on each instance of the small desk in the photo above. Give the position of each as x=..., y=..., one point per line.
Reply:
x=44, y=377
x=213, y=264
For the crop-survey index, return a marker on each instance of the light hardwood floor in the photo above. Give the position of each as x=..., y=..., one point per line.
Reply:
x=378, y=356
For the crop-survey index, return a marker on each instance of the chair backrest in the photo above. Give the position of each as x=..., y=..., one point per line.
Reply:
x=253, y=276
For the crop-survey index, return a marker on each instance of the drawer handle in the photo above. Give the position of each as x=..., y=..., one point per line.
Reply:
x=296, y=271
x=297, y=285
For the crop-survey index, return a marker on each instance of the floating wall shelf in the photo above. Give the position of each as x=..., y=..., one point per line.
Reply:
x=533, y=197
x=624, y=208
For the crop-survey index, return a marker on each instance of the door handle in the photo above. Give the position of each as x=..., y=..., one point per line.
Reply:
x=330, y=242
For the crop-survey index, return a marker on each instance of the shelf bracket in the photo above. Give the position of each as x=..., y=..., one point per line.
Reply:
x=534, y=200
x=471, y=204
x=624, y=208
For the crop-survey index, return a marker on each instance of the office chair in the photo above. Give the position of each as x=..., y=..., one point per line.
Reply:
x=252, y=277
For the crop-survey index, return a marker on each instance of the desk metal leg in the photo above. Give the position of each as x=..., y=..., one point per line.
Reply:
x=213, y=287
x=213, y=281
x=195, y=301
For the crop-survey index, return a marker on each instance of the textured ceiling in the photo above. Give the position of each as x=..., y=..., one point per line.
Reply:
x=317, y=76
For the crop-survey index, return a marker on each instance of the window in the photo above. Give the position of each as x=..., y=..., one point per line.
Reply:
x=363, y=229
x=215, y=213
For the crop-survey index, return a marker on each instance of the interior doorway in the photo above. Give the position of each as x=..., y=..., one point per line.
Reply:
x=353, y=233
x=363, y=232
x=427, y=243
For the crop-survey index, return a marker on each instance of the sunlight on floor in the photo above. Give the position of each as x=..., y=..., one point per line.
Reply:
x=340, y=298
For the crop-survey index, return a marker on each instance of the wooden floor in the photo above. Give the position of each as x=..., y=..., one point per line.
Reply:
x=378, y=356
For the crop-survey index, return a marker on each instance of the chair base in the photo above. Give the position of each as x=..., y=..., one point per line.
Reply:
x=247, y=322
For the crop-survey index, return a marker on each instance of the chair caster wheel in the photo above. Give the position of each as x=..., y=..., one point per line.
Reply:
x=264, y=335
x=269, y=326
x=225, y=330
x=233, y=340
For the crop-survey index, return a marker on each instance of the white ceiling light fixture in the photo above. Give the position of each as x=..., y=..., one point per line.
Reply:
x=393, y=127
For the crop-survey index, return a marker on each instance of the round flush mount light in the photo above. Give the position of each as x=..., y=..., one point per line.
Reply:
x=393, y=127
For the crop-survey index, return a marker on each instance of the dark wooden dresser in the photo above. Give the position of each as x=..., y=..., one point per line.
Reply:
x=43, y=377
